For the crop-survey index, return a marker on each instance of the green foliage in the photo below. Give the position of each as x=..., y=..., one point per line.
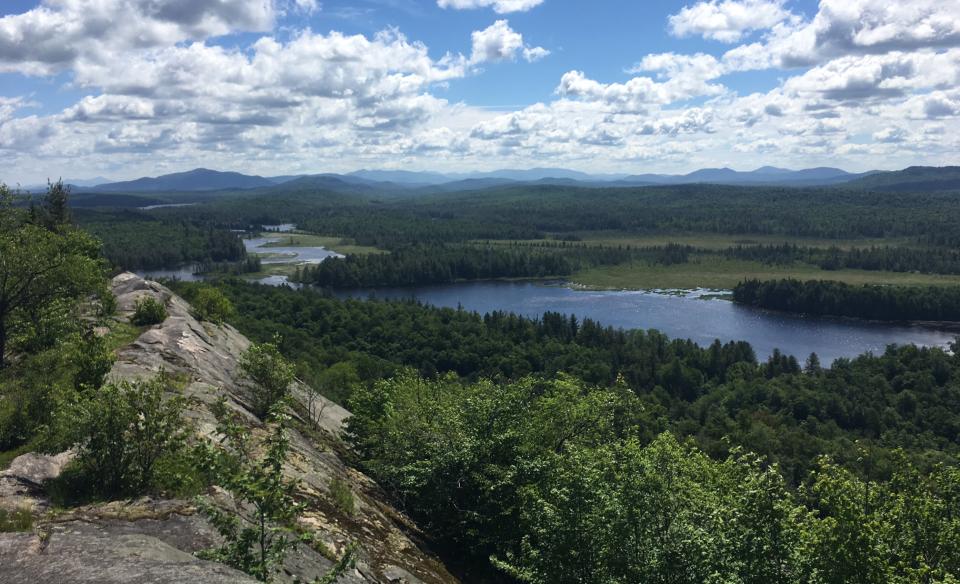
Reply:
x=45, y=270
x=259, y=545
x=457, y=455
x=125, y=434
x=440, y=264
x=838, y=299
x=31, y=388
x=347, y=561
x=15, y=520
x=270, y=373
x=719, y=395
x=108, y=302
x=148, y=311
x=93, y=360
x=139, y=240
x=554, y=482
x=342, y=496
x=211, y=304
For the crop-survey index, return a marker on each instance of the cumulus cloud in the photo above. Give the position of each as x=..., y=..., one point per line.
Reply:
x=852, y=27
x=728, y=20
x=499, y=6
x=58, y=33
x=864, y=82
x=679, y=77
x=499, y=42
x=892, y=135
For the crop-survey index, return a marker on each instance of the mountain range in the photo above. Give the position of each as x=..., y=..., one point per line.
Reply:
x=922, y=178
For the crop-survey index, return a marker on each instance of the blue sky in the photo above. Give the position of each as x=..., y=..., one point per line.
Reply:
x=126, y=88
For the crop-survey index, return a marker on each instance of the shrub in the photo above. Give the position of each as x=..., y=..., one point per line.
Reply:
x=270, y=373
x=342, y=496
x=149, y=311
x=93, y=361
x=126, y=434
x=259, y=546
x=210, y=304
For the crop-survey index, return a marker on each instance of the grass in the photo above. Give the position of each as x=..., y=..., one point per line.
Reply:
x=710, y=271
x=338, y=244
x=121, y=334
x=713, y=241
x=272, y=270
x=18, y=520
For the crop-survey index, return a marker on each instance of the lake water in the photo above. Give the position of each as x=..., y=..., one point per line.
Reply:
x=685, y=316
x=679, y=316
x=287, y=254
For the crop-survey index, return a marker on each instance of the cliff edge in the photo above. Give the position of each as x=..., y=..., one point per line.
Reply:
x=153, y=540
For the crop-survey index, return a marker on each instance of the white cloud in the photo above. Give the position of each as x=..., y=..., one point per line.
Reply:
x=499, y=6
x=864, y=83
x=728, y=20
x=499, y=42
x=59, y=33
x=892, y=135
x=853, y=27
x=683, y=77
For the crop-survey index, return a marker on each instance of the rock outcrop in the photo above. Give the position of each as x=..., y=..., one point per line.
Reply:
x=153, y=541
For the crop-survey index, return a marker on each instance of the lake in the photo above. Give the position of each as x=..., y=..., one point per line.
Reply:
x=286, y=254
x=686, y=316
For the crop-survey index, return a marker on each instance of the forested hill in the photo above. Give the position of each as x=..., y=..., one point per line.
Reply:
x=913, y=179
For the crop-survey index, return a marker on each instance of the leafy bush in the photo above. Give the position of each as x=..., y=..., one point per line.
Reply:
x=149, y=311
x=127, y=437
x=93, y=361
x=259, y=546
x=342, y=496
x=270, y=373
x=210, y=304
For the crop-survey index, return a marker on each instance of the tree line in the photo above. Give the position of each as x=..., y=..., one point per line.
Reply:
x=447, y=263
x=721, y=396
x=135, y=240
x=821, y=297
x=930, y=260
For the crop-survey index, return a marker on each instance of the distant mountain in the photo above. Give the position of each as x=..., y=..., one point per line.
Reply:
x=200, y=179
x=912, y=179
x=88, y=182
x=538, y=174
x=407, y=182
x=340, y=183
x=285, y=178
x=401, y=176
x=469, y=184
x=765, y=175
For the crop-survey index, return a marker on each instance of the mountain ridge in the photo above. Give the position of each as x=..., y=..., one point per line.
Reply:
x=400, y=181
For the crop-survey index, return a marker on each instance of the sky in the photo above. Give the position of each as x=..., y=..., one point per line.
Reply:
x=129, y=88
